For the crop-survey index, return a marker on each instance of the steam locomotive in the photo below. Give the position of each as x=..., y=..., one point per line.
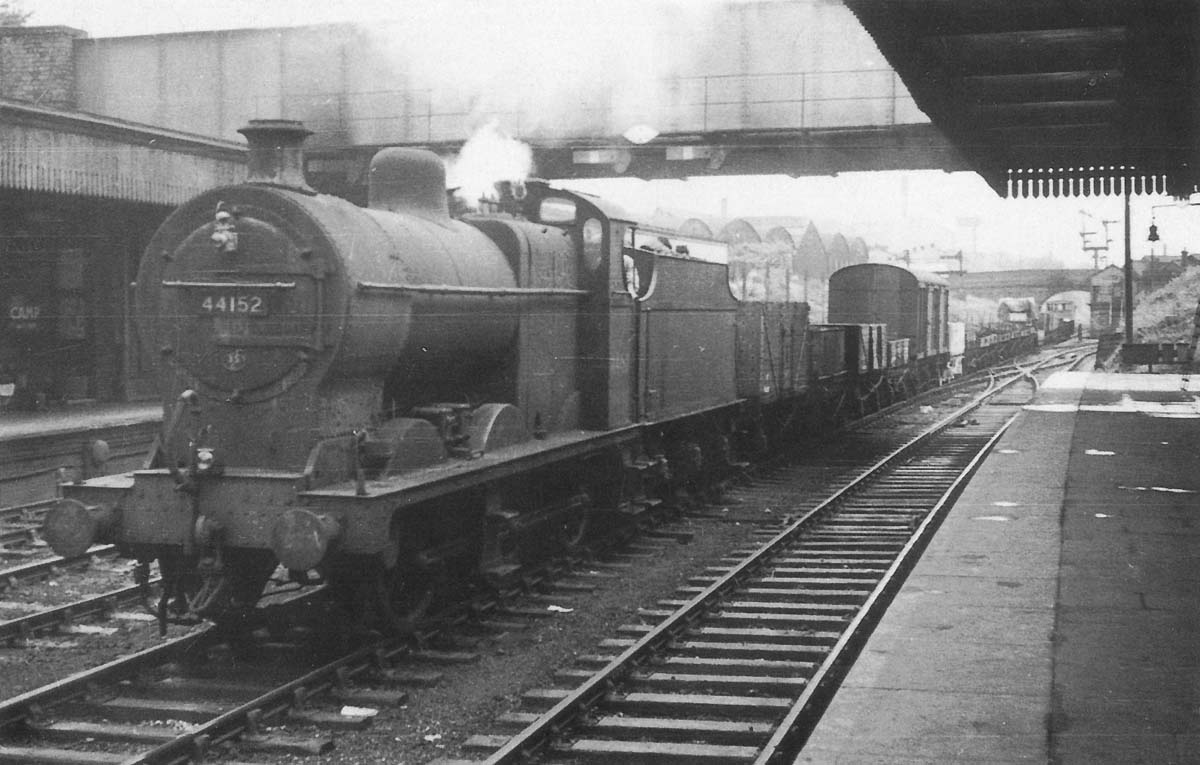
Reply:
x=394, y=402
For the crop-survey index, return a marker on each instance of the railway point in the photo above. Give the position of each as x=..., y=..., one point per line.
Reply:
x=1054, y=616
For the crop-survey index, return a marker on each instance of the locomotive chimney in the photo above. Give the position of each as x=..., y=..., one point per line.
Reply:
x=276, y=156
x=413, y=180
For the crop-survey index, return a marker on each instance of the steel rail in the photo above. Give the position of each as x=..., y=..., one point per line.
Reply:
x=538, y=734
x=29, y=510
x=822, y=684
x=237, y=721
x=22, y=706
x=37, y=568
x=247, y=716
x=245, y=719
x=24, y=626
x=935, y=393
x=195, y=742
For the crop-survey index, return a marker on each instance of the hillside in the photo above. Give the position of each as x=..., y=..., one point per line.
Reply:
x=1167, y=314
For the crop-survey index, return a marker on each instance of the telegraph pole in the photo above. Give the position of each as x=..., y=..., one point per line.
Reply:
x=959, y=257
x=1094, y=249
x=1128, y=276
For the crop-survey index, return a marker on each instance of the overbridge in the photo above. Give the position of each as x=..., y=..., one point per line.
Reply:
x=1035, y=283
x=742, y=88
x=1041, y=97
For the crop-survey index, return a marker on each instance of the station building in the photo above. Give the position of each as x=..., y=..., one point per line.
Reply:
x=80, y=196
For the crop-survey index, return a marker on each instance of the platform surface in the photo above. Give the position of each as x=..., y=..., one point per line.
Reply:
x=1055, y=617
x=80, y=417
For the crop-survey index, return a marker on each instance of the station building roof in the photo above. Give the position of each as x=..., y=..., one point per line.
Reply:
x=1051, y=98
x=68, y=152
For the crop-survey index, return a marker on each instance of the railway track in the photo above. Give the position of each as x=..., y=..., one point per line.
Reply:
x=180, y=701
x=198, y=696
x=236, y=709
x=739, y=666
x=19, y=525
x=103, y=606
x=156, y=707
x=20, y=540
x=48, y=565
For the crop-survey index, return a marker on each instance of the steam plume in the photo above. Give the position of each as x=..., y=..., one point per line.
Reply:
x=488, y=157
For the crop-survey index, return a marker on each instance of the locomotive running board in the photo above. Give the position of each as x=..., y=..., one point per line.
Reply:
x=456, y=475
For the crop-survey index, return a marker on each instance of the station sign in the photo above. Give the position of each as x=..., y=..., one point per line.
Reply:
x=24, y=314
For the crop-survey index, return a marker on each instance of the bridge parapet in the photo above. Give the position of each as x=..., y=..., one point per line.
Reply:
x=748, y=67
x=1037, y=283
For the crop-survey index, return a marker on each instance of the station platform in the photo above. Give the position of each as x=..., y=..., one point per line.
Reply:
x=38, y=450
x=77, y=418
x=1055, y=616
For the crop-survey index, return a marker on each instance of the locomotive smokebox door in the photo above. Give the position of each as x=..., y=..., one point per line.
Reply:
x=245, y=330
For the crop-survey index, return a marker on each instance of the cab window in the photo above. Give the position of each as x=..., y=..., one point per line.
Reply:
x=557, y=210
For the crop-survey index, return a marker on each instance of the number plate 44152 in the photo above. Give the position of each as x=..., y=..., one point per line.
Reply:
x=233, y=304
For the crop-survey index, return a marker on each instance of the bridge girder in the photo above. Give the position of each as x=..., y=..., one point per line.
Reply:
x=342, y=170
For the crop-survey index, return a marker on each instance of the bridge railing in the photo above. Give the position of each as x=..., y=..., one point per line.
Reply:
x=799, y=100
x=809, y=100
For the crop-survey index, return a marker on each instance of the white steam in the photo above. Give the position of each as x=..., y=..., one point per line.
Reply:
x=542, y=68
x=488, y=157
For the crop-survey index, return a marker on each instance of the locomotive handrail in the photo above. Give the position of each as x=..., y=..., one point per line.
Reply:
x=266, y=341
x=454, y=289
x=242, y=285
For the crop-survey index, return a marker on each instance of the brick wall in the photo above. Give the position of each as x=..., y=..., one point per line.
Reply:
x=37, y=64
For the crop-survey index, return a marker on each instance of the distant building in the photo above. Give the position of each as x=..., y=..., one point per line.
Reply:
x=1108, y=287
x=1108, y=300
x=1152, y=272
x=80, y=196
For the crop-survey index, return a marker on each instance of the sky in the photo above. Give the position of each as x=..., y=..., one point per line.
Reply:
x=933, y=212
x=924, y=211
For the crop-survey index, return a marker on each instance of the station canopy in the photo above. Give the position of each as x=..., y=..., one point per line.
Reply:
x=1054, y=97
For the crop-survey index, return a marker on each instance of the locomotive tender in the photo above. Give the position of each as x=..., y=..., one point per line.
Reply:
x=402, y=402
